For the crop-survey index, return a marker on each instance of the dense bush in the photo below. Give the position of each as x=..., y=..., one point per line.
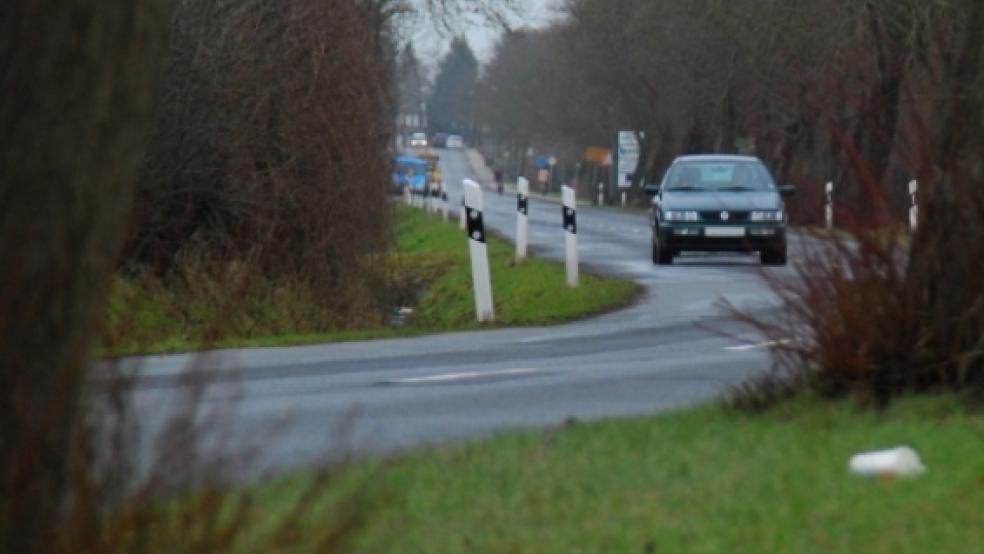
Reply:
x=270, y=145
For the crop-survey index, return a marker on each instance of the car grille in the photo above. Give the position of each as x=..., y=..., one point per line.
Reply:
x=733, y=217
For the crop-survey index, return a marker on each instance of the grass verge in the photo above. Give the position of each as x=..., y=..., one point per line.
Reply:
x=530, y=293
x=702, y=480
x=427, y=270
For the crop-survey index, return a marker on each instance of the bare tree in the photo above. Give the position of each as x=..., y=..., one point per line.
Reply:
x=270, y=146
x=74, y=122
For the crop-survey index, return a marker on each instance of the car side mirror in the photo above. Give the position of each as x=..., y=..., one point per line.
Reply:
x=652, y=190
x=787, y=190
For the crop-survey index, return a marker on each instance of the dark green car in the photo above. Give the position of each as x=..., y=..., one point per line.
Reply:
x=718, y=203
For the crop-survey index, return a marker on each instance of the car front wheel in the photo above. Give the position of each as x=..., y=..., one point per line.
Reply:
x=661, y=256
x=773, y=257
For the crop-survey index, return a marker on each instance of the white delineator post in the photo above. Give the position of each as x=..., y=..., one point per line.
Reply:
x=522, y=211
x=444, y=201
x=570, y=234
x=461, y=211
x=481, y=279
x=829, y=207
x=913, y=206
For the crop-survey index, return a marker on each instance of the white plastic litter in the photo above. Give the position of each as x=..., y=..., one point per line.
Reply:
x=901, y=461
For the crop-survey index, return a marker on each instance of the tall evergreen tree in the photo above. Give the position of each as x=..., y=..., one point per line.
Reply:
x=450, y=106
x=410, y=82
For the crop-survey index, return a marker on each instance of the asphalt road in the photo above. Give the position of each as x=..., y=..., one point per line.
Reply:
x=666, y=351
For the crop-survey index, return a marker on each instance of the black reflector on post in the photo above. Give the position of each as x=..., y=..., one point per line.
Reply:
x=570, y=220
x=476, y=226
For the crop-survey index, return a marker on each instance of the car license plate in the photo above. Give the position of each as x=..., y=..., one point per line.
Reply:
x=724, y=231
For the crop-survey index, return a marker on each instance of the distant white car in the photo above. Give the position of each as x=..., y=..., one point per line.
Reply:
x=455, y=141
x=418, y=140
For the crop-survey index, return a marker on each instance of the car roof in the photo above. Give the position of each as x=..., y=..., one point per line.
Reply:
x=404, y=159
x=715, y=158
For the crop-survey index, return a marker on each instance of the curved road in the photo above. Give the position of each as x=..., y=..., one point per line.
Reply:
x=388, y=394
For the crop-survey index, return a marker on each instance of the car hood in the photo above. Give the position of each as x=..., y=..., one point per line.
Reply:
x=731, y=201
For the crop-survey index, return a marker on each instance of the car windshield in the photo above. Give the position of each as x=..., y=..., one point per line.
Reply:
x=719, y=175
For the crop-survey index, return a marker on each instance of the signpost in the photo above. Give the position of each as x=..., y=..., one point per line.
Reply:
x=625, y=161
x=570, y=234
x=478, y=251
x=522, y=211
x=828, y=210
x=551, y=162
x=913, y=206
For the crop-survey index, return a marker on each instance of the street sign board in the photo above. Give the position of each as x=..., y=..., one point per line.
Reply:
x=597, y=154
x=626, y=151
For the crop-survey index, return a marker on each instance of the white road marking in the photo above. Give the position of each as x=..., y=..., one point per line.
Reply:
x=461, y=376
x=769, y=344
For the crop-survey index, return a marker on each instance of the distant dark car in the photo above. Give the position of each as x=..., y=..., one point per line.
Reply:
x=439, y=140
x=718, y=203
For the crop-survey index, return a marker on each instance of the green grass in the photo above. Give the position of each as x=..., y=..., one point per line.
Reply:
x=703, y=480
x=427, y=270
x=530, y=293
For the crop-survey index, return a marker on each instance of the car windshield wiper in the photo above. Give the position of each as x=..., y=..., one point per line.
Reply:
x=685, y=187
x=736, y=189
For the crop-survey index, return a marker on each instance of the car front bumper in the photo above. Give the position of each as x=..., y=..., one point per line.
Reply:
x=750, y=237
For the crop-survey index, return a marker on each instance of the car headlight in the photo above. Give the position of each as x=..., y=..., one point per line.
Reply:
x=770, y=216
x=680, y=215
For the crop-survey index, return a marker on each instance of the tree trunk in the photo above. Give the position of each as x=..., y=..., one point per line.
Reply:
x=73, y=118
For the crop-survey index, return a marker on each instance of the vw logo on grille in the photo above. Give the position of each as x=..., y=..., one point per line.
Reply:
x=725, y=216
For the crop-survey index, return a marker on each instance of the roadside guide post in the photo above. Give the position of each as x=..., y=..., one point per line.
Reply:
x=522, y=211
x=570, y=234
x=913, y=206
x=481, y=280
x=444, y=201
x=829, y=208
x=551, y=167
x=461, y=212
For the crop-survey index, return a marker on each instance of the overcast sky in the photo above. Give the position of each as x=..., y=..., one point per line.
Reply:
x=430, y=45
